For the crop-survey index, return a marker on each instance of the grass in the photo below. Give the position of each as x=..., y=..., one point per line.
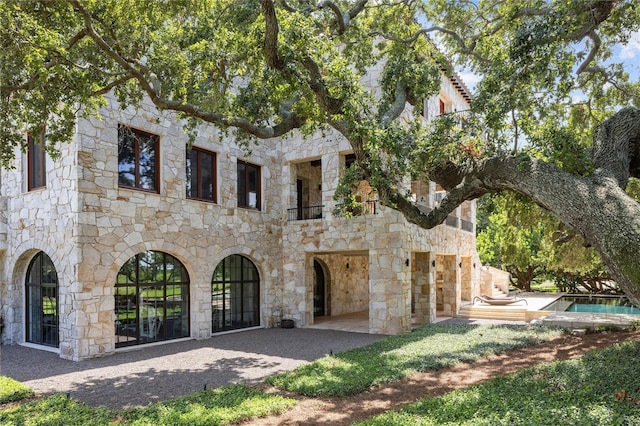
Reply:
x=430, y=347
x=600, y=388
x=12, y=390
x=220, y=406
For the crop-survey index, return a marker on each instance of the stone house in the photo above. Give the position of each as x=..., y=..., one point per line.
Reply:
x=131, y=237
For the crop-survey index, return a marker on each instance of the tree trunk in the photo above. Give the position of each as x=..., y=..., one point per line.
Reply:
x=596, y=207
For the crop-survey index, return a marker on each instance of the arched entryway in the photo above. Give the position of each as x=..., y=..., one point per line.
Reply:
x=42, y=301
x=319, y=290
x=235, y=294
x=151, y=299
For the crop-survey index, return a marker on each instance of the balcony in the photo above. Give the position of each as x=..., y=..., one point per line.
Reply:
x=304, y=213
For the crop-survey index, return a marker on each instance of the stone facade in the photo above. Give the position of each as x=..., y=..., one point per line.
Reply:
x=90, y=227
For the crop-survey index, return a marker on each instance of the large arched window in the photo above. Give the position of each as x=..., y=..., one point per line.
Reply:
x=152, y=299
x=235, y=294
x=42, y=301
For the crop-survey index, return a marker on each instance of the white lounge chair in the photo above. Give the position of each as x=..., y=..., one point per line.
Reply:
x=499, y=301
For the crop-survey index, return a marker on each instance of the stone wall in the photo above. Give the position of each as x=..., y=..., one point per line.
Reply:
x=90, y=227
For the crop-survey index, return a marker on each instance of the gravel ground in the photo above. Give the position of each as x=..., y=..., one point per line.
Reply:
x=156, y=373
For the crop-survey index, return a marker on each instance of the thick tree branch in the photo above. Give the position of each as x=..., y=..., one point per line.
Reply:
x=115, y=83
x=616, y=146
x=317, y=84
x=341, y=20
x=398, y=106
x=592, y=53
x=467, y=49
x=271, y=35
x=140, y=73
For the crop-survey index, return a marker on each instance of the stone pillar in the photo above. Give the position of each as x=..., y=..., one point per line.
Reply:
x=389, y=289
x=423, y=279
x=450, y=285
x=465, y=279
x=200, y=304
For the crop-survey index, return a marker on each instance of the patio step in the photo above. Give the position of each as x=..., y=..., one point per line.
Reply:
x=509, y=313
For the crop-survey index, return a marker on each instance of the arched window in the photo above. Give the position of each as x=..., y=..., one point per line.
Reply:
x=151, y=299
x=235, y=294
x=42, y=301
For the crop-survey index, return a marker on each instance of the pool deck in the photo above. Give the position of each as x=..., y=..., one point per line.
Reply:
x=576, y=320
x=572, y=320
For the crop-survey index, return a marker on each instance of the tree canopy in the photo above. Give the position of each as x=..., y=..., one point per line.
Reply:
x=547, y=119
x=518, y=236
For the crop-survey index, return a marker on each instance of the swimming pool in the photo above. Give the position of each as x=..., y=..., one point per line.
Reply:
x=593, y=304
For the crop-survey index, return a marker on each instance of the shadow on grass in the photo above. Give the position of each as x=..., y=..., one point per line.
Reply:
x=157, y=373
x=211, y=407
x=430, y=347
x=600, y=388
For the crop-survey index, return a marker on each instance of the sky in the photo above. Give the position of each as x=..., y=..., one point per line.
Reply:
x=630, y=54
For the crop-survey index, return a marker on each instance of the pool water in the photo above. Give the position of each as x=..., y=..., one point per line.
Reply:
x=593, y=304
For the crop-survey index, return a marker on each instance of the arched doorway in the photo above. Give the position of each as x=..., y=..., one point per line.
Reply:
x=319, y=290
x=235, y=294
x=151, y=299
x=42, y=301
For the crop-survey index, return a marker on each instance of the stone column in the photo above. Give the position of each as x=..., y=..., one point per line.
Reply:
x=424, y=291
x=390, y=286
x=451, y=284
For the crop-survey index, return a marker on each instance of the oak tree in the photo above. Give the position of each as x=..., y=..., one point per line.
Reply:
x=553, y=116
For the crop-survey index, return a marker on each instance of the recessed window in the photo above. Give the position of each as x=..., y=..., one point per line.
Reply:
x=137, y=159
x=42, y=301
x=248, y=185
x=201, y=174
x=151, y=299
x=349, y=159
x=443, y=106
x=235, y=294
x=36, y=164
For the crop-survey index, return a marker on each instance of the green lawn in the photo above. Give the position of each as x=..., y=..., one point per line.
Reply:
x=601, y=388
x=12, y=390
x=427, y=348
x=220, y=406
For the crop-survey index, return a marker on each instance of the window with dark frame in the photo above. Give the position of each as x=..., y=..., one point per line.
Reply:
x=349, y=159
x=41, y=304
x=248, y=185
x=443, y=106
x=137, y=159
x=235, y=294
x=151, y=295
x=36, y=162
x=201, y=174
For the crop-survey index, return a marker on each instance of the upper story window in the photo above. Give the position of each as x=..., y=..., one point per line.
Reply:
x=349, y=159
x=443, y=106
x=36, y=164
x=248, y=185
x=201, y=174
x=137, y=159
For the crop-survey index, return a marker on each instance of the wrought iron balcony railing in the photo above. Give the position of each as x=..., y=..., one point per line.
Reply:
x=305, y=213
